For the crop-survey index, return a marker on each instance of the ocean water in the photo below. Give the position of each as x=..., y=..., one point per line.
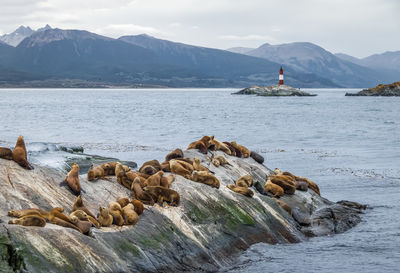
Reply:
x=350, y=146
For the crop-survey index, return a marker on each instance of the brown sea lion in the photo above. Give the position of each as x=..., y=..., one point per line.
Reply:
x=150, y=167
x=130, y=215
x=245, y=181
x=29, y=220
x=166, y=181
x=215, y=162
x=116, y=212
x=122, y=178
x=276, y=190
x=257, y=157
x=177, y=153
x=205, y=178
x=132, y=175
x=95, y=173
x=84, y=226
x=285, y=206
x=105, y=218
x=138, y=206
x=155, y=179
x=6, y=153
x=58, y=212
x=288, y=188
x=25, y=212
x=162, y=194
x=72, y=179
x=78, y=204
x=60, y=222
x=242, y=190
x=165, y=167
x=222, y=160
x=219, y=146
x=83, y=216
x=178, y=168
x=234, y=151
x=202, y=145
x=123, y=201
x=20, y=155
x=139, y=194
x=245, y=152
x=109, y=167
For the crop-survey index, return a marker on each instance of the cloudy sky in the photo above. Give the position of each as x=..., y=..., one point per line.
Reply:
x=356, y=27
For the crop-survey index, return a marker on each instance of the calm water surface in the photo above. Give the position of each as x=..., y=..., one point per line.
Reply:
x=349, y=145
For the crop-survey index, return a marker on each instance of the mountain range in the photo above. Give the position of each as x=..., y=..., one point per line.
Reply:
x=53, y=56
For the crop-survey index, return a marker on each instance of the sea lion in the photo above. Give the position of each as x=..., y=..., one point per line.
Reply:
x=197, y=165
x=276, y=190
x=166, y=181
x=29, y=220
x=245, y=152
x=155, y=179
x=288, y=188
x=58, y=212
x=25, y=212
x=177, y=153
x=130, y=215
x=60, y=222
x=138, y=205
x=105, y=218
x=139, y=194
x=301, y=185
x=150, y=167
x=6, y=153
x=177, y=167
x=20, y=155
x=310, y=184
x=165, y=167
x=215, y=162
x=123, y=201
x=202, y=145
x=83, y=216
x=285, y=206
x=219, y=146
x=132, y=175
x=245, y=181
x=122, y=178
x=162, y=194
x=84, y=226
x=205, y=178
x=109, y=167
x=95, y=173
x=242, y=190
x=72, y=179
x=257, y=157
x=78, y=205
x=116, y=212
x=222, y=160
x=234, y=150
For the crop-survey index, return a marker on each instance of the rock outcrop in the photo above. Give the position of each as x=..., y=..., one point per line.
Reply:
x=273, y=90
x=387, y=90
x=203, y=233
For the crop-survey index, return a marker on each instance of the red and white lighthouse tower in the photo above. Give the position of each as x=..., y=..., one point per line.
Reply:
x=281, y=76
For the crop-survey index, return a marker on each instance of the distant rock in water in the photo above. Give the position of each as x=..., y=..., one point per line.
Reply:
x=272, y=90
x=388, y=90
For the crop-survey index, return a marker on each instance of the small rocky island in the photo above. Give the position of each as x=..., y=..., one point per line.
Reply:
x=280, y=90
x=388, y=90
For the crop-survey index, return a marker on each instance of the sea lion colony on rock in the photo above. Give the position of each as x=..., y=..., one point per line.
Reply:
x=150, y=184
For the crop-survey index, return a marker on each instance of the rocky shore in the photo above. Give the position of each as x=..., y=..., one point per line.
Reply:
x=273, y=90
x=388, y=90
x=204, y=233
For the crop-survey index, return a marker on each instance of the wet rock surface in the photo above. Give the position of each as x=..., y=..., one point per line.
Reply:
x=203, y=233
x=273, y=90
x=388, y=90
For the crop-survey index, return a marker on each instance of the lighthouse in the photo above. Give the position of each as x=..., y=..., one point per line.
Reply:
x=281, y=76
